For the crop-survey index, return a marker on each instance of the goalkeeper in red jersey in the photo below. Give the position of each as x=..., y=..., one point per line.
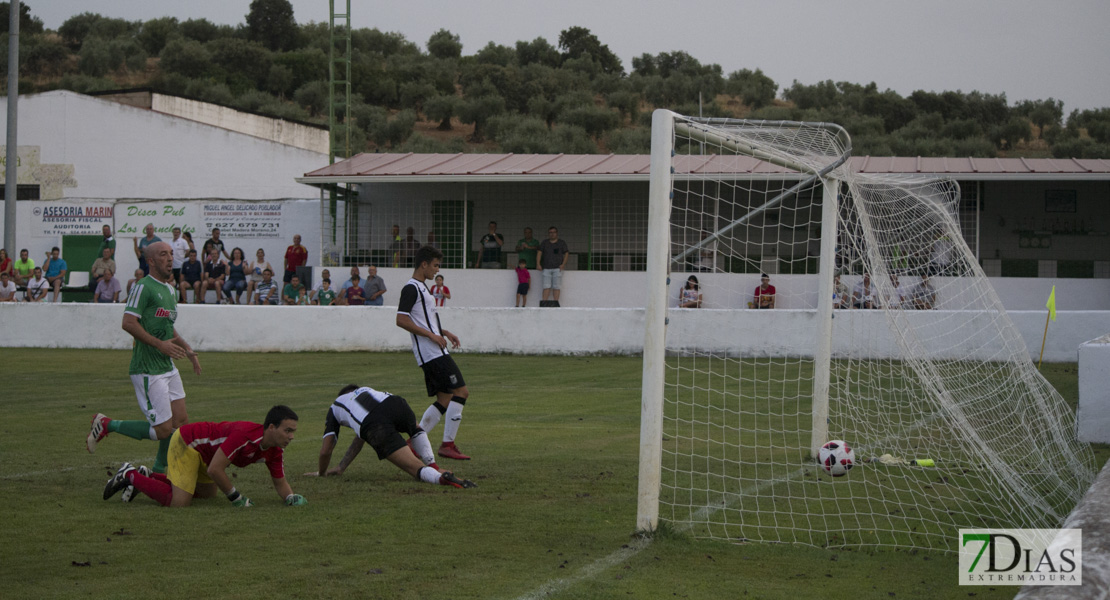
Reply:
x=200, y=453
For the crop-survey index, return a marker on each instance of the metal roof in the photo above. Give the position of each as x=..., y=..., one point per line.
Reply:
x=365, y=168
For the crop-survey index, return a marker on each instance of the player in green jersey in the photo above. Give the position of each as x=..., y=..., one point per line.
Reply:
x=149, y=318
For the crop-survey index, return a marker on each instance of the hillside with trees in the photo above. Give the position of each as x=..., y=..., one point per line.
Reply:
x=571, y=96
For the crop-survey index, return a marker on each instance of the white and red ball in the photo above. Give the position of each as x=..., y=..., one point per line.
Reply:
x=837, y=458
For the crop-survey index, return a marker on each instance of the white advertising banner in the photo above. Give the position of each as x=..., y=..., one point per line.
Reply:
x=250, y=220
x=133, y=217
x=55, y=219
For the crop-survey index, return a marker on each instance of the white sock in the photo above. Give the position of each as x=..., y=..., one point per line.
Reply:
x=429, y=475
x=431, y=417
x=153, y=435
x=454, y=417
x=423, y=447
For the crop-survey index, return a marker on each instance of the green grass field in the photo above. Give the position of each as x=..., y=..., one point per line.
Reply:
x=555, y=446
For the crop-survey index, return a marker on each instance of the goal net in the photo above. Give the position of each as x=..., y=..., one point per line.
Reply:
x=823, y=304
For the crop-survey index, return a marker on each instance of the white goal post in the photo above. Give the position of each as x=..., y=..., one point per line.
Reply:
x=881, y=331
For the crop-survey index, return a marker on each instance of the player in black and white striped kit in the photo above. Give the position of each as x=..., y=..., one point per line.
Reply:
x=379, y=419
x=416, y=314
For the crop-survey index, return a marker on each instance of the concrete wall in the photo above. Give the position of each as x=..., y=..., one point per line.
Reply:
x=114, y=151
x=281, y=131
x=530, y=330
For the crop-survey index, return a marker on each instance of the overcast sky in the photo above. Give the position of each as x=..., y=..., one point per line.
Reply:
x=1027, y=49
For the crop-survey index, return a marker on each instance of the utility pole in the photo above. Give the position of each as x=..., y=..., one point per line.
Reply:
x=12, y=151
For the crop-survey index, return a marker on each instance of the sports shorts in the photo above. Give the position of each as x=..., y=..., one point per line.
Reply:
x=522, y=288
x=156, y=392
x=442, y=375
x=383, y=426
x=186, y=468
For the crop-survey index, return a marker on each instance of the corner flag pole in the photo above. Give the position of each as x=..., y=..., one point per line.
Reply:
x=1051, y=306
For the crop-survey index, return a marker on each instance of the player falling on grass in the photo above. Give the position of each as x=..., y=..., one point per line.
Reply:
x=149, y=318
x=416, y=314
x=379, y=418
x=201, y=452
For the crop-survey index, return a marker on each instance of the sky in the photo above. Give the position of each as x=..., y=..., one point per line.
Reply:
x=1025, y=49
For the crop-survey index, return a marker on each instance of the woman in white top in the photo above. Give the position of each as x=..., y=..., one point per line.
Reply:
x=255, y=276
x=690, y=297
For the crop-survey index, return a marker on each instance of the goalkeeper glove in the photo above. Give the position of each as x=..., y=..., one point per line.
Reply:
x=295, y=500
x=239, y=500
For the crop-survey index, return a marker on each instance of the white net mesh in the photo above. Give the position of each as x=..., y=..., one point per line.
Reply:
x=922, y=361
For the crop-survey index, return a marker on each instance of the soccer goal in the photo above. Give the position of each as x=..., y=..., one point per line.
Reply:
x=831, y=305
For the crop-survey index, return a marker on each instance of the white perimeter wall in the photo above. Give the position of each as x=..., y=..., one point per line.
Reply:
x=269, y=128
x=529, y=330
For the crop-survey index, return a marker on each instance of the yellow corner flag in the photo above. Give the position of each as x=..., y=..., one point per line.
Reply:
x=1051, y=304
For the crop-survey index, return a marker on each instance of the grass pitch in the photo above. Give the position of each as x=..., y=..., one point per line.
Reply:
x=555, y=446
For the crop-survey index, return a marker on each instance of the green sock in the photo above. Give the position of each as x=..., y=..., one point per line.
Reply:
x=139, y=430
x=160, y=460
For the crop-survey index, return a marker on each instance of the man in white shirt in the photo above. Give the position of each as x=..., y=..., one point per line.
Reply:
x=37, y=286
x=7, y=288
x=180, y=247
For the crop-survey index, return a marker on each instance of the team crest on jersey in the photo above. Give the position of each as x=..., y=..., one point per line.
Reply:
x=166, y=314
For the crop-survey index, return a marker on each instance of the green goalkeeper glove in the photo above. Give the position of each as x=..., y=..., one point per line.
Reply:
x=295, y=500
x=242, y=502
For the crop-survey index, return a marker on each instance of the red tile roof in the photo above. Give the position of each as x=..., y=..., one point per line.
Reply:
x=371, y=167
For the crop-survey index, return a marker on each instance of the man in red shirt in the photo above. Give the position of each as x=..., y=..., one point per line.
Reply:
x=764, y=293
x=295, y=256
x=200, y=453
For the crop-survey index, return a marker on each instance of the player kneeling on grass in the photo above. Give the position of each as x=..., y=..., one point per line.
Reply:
x=200, y=453
x=379, y=418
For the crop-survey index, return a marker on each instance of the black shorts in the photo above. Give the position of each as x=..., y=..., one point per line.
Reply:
x=289, y=276
x=177, y=275
x=522, y=288
x=442, y=375
x=383, y=426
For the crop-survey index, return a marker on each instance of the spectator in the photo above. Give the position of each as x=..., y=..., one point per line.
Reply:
x=137, y=276
x=943, y=249
x=214, y=242
x=141, y=244
x=6, y=264
x=347, y=284
x=375, y=287
x=523, y=280
x=55, y=268
x=293, y=292
x=355, y=295
x=491, y=243
x=236, y=277
x=37, y=286
x=432, y=240
x=395, y=245
x=707, y=254
x=764, y=296
x=7, y=287
x=439, y=291
x=553, y=260
x=899, y=296
x=296, y=255
x=314, y=293
x=267, y=289
x=101, y=266
x=690, y=296
x=326, y=295
x=841, y=297
x=192, y=276
x=180, y=247
x=215, y=272
x=23, y=268
x=409, y=247
x=257, y=267
x=107, y=290
x=527, y=247
x=107, y=241
x=924, y=295
x=863, y=294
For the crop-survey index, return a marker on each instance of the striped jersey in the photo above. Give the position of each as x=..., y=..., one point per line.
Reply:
x=351, y=410
x=241, y=442
x=420, y=305
x=155, y=304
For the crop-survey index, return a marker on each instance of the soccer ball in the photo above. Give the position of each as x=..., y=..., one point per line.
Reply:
x=837, y=458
